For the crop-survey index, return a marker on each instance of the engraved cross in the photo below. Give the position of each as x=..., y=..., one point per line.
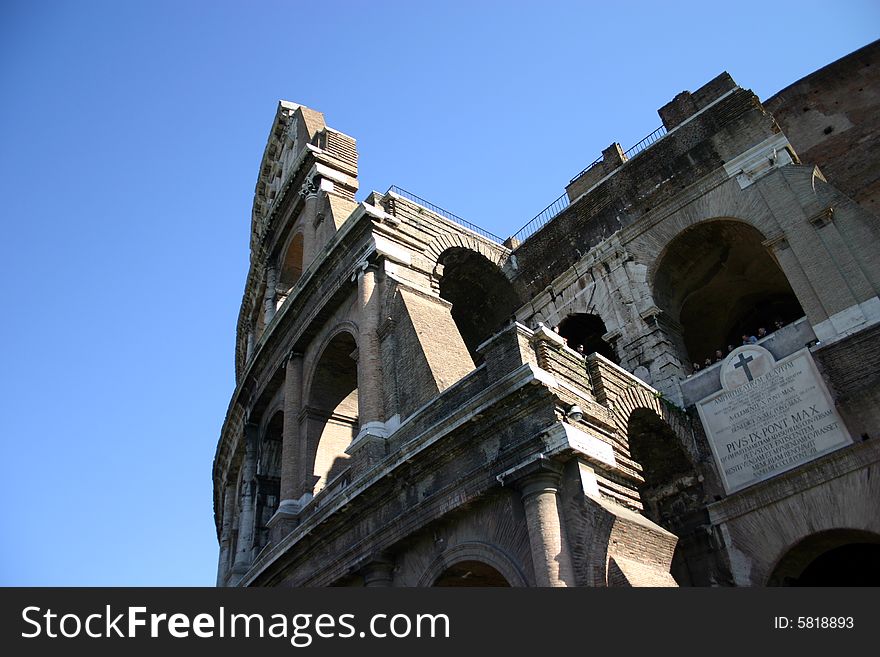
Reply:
x=743, y=362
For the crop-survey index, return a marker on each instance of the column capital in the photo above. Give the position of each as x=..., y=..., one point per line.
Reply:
x=310, y=187
x=538, y=483
x=379, y=571
x=540, y=471
x=365, y=266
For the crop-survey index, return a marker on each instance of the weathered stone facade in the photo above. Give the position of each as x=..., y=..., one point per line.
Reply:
x=419, y=404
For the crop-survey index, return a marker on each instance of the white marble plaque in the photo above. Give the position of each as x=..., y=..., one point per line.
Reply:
x=580, y=441
x=770, y=417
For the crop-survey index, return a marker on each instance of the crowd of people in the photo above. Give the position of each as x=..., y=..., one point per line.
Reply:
x=720, y=354
x=747, y=338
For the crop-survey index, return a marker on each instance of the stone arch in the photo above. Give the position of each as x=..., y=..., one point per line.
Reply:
x=481, y=559
x=641, y=397
x=330, y=408
x=585, y=332
x=291, y=265
x=235, y=475
x=495, y=254
x=483, y=299
x=660, y=438
x=835, y=557
x=237, y=480
x=716, y=280
x=268, y=475
x=344, y=326
x=655, y=446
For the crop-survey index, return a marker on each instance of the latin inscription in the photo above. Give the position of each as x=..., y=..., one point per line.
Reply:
x=773, y=423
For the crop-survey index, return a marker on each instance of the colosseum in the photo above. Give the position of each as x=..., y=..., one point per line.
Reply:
x=670, y=377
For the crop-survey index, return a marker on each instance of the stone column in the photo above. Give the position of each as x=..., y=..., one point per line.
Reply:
x=309, y=193
x=379, y=573
x=249, y=350
x=226, y=534
x=843, y=256
x=290, y=446
x=269, y=296
x=797, y=278
x=550, y=553
x=369, y=360
x=287, y=515
x=369, y=446
x=247, y=506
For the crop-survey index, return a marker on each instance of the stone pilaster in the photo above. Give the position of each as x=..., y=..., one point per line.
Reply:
x=287, y=515
x=226, y=534
x=247, y=506
x=372, y=434
x=269, y=296
x=251, y=340
x=369, y=359
x=550, y=553
x=309, y=193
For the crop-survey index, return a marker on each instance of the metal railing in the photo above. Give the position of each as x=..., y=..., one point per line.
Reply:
x=560, y=204
x=544, y=216
x=418, y=200
x=586, y=168
x=655, y=136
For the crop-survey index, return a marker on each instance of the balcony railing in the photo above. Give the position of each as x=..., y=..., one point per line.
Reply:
x=543, y=217
x=418, y=200
x=557, y=206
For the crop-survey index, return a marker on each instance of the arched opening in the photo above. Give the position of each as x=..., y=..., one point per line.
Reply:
x=332, y=410
x=839, y=557
x=291, y=267
x=584, y=333
x=471, y=573
x=665, y=465
x=268, y=476
x=719, y=282
x=482, y=298
x=672, y=495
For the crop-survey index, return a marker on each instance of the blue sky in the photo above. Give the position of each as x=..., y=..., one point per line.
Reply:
x=131, y=137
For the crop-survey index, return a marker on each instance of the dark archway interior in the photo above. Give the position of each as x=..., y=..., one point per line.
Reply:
x=257, y=316
x=335, y=377
x=482, y=298
x=719, y=282
x=831, y=558
x=292, y=265
x=657, y=449
x=672, y=495
x=332, y=409
x=269, y=476
x=586, y=331
x=856, y=564
x=471, y=573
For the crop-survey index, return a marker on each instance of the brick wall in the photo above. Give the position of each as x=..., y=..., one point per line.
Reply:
x=832, y=118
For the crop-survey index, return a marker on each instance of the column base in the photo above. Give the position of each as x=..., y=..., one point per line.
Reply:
x=285, y=519
x=370, y=435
